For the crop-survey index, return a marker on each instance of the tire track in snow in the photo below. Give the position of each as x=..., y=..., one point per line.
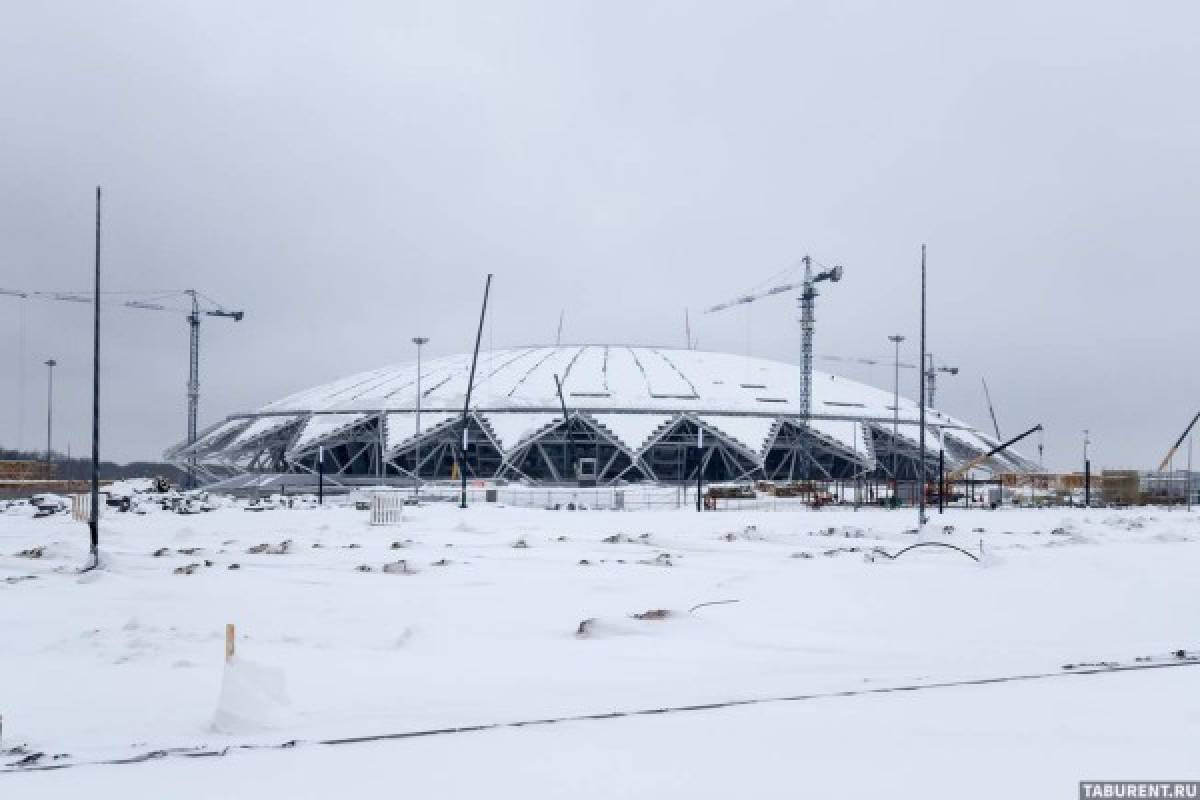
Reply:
x=202, y=752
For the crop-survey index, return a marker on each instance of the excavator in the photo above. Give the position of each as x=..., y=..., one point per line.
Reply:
x=960, y=472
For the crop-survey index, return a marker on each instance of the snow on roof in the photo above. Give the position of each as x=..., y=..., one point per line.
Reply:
x=847, y=433
x=261, y=427
x=512, y=429
x=599, y=379
x=321, y=426
x=402, y=425
x=752, y=432
x=632, y=429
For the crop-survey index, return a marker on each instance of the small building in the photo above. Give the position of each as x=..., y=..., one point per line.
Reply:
x=26, y=470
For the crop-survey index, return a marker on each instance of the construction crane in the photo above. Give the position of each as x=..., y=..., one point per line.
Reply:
x=1171, y=453
x=931, y=372
x=200, y=306
x=808, y=297
x=960, y=472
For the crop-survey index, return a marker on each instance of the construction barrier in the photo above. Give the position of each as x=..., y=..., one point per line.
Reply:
x=387, y=507
x=81, y=507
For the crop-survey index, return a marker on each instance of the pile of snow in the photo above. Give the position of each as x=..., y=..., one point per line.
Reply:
x=253, y=698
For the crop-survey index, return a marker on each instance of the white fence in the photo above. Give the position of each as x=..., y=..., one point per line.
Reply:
x=387, y=507
x=81, y=507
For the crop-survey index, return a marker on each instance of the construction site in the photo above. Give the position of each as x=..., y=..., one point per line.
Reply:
x=714, y=430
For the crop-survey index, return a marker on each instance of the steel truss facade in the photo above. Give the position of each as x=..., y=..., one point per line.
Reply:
x=551, y=453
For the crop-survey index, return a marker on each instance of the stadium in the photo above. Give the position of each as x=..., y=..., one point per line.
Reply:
x=625, y=414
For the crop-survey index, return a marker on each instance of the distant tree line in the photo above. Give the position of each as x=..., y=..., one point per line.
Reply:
x=81, y=468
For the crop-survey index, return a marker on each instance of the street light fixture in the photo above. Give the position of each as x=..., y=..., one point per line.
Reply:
x=419, y=341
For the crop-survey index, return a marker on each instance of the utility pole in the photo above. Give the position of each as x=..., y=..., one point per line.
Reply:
x=1087, y=472
x=921, y=465
x=94, y=516
x=321, y=475
x=896, y=339
x=50, y=365
x=419, y=341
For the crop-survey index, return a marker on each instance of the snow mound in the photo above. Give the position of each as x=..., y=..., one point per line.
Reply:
x=253, y=698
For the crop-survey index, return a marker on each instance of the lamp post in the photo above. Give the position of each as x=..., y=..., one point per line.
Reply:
x=50, y=365
x=895, y=339
x=1087, y=471
x=419, y=341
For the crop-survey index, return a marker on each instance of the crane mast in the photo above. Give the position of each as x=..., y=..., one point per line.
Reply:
x=808, y=304
x=931, y=372
x=194, y=314
x=807, y=300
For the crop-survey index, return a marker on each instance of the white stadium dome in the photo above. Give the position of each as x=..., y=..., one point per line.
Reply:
x=637, y=411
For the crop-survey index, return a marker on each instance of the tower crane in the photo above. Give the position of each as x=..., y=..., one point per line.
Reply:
x=808, y=297
x=931, y=372
x=199, y=305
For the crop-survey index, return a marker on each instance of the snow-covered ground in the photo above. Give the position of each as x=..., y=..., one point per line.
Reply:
x=482, y=626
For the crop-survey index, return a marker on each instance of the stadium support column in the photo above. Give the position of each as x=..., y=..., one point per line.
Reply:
x=470, y=383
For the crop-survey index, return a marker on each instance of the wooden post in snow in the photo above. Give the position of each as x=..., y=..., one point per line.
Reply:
x=229, y=642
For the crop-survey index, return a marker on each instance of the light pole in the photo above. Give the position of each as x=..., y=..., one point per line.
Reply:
x=1087, y=471
x=923, y=475
x=895, y=339
x=419, y=341
x=50, y=365
x=94, y=514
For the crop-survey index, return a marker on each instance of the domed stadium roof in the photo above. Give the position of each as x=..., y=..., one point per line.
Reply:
x=636, y=400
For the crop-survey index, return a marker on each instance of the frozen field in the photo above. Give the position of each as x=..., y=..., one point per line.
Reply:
x=482, y=626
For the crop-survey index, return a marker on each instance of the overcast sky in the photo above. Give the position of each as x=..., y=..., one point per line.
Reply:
x=347, y=173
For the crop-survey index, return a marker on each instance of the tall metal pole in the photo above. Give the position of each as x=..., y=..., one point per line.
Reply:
x=895, y=339
x=1087, y=472
x=418, y=341
x=50, y=365
x=94, y=517
x=193, y=390
x=921, y=466
x=487, y=287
